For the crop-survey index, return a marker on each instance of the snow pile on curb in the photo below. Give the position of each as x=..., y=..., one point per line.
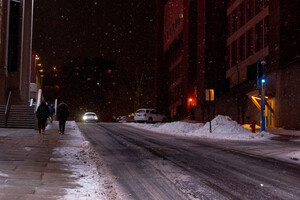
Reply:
x=223, y=127
x=174, y=128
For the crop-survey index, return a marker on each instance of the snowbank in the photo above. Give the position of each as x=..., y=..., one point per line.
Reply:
x=223, y=127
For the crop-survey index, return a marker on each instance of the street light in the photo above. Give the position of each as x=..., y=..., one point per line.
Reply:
x=261, y=83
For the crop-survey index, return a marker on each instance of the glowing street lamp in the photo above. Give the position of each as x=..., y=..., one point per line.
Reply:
x=261, y=83
x=190, y=100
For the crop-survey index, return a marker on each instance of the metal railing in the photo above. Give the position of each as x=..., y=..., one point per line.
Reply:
x=7, y=109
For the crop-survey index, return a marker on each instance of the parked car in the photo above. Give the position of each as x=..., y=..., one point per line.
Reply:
x=90, y=117
x=123, y=119
x=149, y=115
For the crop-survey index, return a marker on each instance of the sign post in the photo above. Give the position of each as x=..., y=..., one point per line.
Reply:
x=209, y=96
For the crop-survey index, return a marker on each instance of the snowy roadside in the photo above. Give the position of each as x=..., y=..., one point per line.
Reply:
x=86, y=166
x=223, y=127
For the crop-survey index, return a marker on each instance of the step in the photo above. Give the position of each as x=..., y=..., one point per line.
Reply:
x=20, y=126
x=19, y=116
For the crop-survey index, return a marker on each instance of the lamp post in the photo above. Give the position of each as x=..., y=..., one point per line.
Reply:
x=261, y=83
x=262, y=105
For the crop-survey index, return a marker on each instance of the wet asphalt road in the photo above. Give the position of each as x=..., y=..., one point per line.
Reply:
x=153, y=166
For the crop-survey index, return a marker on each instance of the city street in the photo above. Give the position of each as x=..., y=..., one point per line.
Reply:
x=149, y=165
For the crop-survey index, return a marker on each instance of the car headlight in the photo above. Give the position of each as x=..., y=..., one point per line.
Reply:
x=96, y=118
x=84, y=118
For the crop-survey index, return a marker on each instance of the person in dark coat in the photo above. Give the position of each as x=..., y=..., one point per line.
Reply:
x=52, y=111
x=42, y=114
x=62, y=115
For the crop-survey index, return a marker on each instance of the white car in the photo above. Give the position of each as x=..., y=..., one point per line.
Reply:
x=149, y=115
x=90, y=117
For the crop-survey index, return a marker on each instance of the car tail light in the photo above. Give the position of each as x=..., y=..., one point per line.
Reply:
x=145, y=115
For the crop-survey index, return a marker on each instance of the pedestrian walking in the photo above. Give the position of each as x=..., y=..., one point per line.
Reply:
x=62, y=115
x=42, y=114
x=52, y=111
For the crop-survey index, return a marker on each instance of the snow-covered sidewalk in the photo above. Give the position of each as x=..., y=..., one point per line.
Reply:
x=86, y=166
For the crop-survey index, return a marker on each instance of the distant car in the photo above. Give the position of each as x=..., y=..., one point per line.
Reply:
x=123, y=119
x=90, y=117
x=149, y=115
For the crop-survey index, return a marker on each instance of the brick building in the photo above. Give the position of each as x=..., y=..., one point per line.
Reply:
x=16, y=18
x=186, y=54
x=221, y=44
x=263, y=29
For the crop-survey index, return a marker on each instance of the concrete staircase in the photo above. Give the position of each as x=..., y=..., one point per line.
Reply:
x=2, y=120
x=19, y=116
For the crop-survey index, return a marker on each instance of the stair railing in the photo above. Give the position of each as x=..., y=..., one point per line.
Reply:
x=39, y=99
x=7, y=109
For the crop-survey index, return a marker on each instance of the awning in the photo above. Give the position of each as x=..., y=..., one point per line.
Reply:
x=255, y=95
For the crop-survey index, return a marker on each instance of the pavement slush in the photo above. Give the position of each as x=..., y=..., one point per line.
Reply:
x=30, y=167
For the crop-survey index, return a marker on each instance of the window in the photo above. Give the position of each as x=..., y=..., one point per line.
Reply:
x=180, y=68
x=266, y=31
x=249, y=45
x=234, y=53
x=249, y=9
x=242, y=14
x=233, y=21
x=228, y=57
x=258, y=36
x=242, y=48
x=258, y=6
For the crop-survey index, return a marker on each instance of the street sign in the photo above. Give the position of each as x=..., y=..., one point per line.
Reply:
x=209, y=95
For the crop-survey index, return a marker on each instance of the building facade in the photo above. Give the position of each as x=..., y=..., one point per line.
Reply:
x=186, y=54
x=16, y=17
x=222, y=45
x=262, y=30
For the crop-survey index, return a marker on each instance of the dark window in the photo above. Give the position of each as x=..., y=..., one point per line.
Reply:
x=258, y=36
x=266, y=31
x=242, y=14
x=251, y=72
x=14, y=32
x=242, y=48
x=228, y=57
x=233, y=21
x=234, y=53
x=249, y=45
x=258, y=6
x=249, y=9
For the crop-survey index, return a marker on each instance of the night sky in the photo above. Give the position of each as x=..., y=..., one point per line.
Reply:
x=120, y=30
